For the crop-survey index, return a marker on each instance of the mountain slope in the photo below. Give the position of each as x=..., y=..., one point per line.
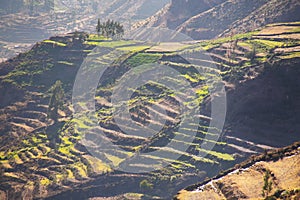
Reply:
x=209, y=20
x=177, y=12
x=22, y=25
x=41, y=157
x=214, y=21
x=272, y=12
x=246, y=181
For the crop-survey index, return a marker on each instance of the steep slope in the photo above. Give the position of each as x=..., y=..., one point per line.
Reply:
x=246, y=181
x=177, y=12
x=131, y=10
x=44, y=158
x=272, y=12
x=208, y=20
x=23, y=25
x=212, y=22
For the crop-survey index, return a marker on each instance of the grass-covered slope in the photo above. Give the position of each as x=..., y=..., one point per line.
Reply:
x=41, y=157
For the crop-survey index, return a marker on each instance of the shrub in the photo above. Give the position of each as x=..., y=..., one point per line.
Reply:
x=267, y=188
x=146, y=185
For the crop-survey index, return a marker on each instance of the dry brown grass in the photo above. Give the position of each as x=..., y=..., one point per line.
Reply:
x=286, y=176
x=274, y=30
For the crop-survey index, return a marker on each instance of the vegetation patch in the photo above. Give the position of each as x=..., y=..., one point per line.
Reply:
x=134, y=48
x=143, y=58
x=98, y=165
x=111, y=44
x=291, y=55
x=45, y=182
x=269, y=44
x=65, y=63
x=114, y=159
x=219, y=155
x=60, y=44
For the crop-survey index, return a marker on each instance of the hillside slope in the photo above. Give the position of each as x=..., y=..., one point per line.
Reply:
x=23, y=25
x=179, y=11
x=41, y=157
x=209, y=20
x=246, y=181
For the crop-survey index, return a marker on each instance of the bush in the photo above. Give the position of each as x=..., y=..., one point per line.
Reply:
x=251, y=54
x=146, y=185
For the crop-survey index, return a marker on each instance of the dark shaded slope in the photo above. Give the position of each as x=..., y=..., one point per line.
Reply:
x=209, y=19
x=266, y=110
x=209, y=24
x=44, y=159
x=178, y=11
x=275, y=11
x=240, y=16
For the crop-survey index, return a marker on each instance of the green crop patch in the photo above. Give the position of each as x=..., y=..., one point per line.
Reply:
x=133, y=48
x=170, y=161
x=111, y=44
x=143, y=58
x=60, y=44
x=81, y=169
x=291, y=55
x=64, y=150
x=219, y=155
x=114, y=159
x=45, y=182
x=269, y=43
x=70, y=174
x=95, y=37
x=210, y=44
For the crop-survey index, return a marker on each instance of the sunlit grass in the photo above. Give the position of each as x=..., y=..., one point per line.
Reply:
x=17, y=159
x=219, y=155
x=98, y=165
x=111, y=44
x=70, y=174
x=97, y=37
x=65, y=63
x=114, y=159
x=60, y=44
x=291, y=55
x=45, y=182
x=143, y=58
x=269, y=43
x=133, y=48
x=81, y=169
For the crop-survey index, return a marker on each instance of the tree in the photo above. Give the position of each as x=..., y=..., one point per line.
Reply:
x=98, y=27
x=146, y=185
x=110, y=28
x=56, y=100
x=251, y=54
x=267, y=188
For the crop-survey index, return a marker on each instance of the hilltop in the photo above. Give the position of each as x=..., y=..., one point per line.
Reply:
x=42, y=157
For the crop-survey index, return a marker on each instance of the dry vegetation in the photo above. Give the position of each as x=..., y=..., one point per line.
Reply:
x=247, y=183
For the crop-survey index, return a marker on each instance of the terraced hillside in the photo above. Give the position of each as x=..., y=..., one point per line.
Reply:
x=47, y=158
x=20, y=29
